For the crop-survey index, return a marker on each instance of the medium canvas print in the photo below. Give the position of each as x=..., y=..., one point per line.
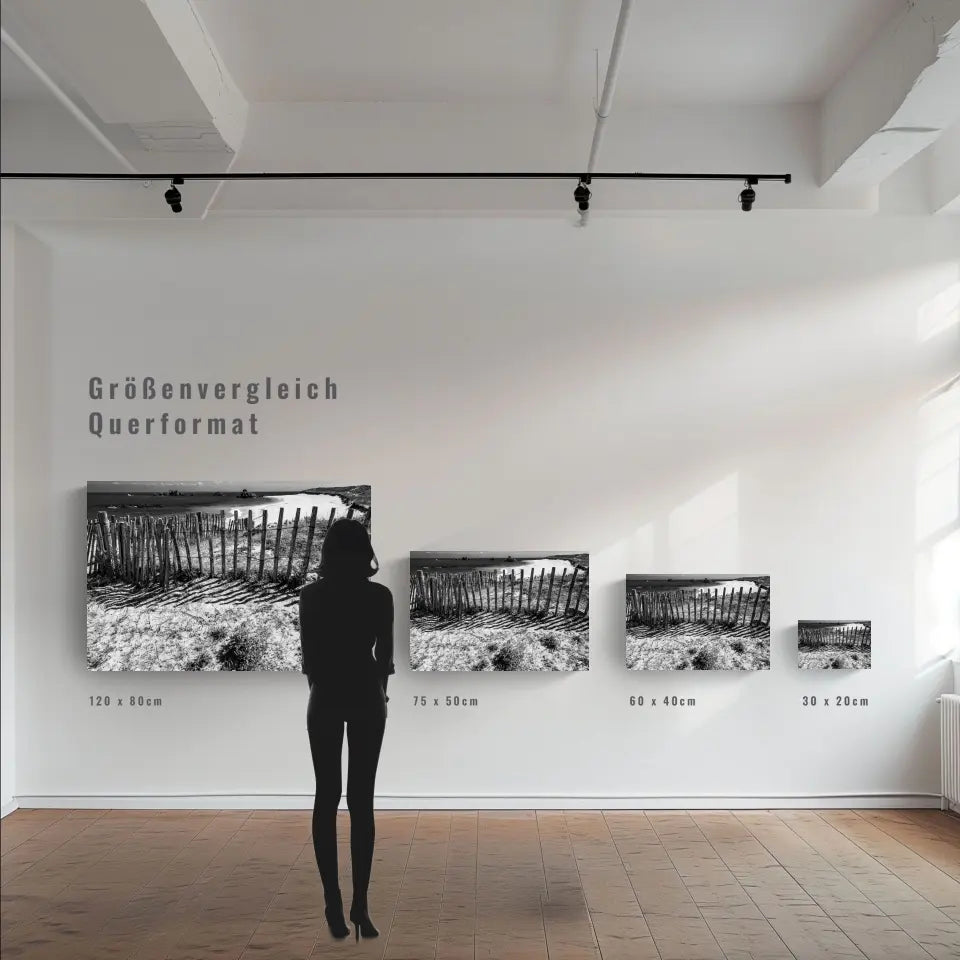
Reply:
x=204, y=575
x=834, y=644
x=516, y=612
x=698, y=622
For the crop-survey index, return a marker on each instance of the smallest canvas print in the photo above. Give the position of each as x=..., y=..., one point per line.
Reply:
x=833, y=644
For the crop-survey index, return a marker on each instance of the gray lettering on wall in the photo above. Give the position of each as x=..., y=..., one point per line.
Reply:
x=147, y=389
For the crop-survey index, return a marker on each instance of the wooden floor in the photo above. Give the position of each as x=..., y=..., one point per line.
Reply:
x=172, y=885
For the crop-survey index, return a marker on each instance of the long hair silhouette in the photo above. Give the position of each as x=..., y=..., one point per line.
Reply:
x=346, y=639
x=347, y=551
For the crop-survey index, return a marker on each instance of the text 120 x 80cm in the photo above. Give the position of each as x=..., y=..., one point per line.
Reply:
x=108, y=701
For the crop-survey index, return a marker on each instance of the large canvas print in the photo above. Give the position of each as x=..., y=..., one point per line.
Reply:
x=834, y=644
x=698, y=622
x=526, y=611
x=203, y=575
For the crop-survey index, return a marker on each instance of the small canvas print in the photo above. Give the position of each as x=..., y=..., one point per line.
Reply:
x=834, y=644
x=698, y=622
x=526, y=611
x=204, y=575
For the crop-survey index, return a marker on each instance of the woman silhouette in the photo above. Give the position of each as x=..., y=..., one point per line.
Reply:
x=346, y=637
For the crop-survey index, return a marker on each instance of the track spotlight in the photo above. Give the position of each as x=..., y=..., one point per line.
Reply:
x=173, y=197
x=748, y=195
x=582, y=194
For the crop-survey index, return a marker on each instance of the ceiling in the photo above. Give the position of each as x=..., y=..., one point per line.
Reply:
x=677, y=51
x=856, y=99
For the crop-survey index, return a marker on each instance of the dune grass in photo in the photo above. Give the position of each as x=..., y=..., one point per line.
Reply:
x=834, y=658
x=477, y=642
x=191, y=634
x=653, y=650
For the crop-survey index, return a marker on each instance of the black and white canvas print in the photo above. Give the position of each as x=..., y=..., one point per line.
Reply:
x=833, y=644
x=698, y=623
x=527, y=611
x=202, y=575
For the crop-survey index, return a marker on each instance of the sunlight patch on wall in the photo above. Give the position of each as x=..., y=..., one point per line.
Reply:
x=937, y=571
x=938, y=464
x=939, y=312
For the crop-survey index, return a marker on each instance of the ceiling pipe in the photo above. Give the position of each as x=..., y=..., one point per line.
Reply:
x=63, y=99
x=606, y=99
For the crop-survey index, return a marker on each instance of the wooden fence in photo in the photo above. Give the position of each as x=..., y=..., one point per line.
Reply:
x=733, y=607
x=455, y=594
x=854, y=635
x=159, y=549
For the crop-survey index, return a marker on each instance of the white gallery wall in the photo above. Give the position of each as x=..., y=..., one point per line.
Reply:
x=673, y=394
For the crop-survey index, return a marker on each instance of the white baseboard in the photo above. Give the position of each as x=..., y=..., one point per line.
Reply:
x=8, y=808
x=299, y=801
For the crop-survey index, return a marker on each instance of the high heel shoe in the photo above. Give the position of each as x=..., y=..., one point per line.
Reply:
x=362, y=923
x=335, y=921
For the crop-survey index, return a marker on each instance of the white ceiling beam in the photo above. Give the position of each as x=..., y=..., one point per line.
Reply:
x=126, y=80
x=896, y=98
x=193, y=47
x=112, y=54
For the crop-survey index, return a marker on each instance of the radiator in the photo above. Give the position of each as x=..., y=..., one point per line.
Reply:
x=950, y=748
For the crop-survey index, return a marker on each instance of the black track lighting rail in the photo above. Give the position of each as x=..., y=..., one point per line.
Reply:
x=581, y=193
x=398, y=175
